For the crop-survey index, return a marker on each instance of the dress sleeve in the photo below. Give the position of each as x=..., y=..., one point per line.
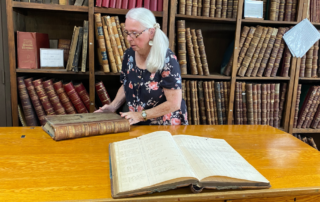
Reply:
x=171, y=75
x=123, y=72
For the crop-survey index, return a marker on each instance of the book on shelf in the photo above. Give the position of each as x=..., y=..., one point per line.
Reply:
x=62, y=127
x=178, y=161
x=65, y=45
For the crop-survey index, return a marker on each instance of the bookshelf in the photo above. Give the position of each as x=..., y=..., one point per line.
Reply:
x=58, y=21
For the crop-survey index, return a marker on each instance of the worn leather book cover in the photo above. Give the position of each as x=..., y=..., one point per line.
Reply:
x=276, y=106
x=316, y=119
x=250, y=118
x=272, y=107
x=194, y=103
x=102, y=93
x=98, y=3
x=197, y=102
x=281, y=10
x=246, y=45
x=303, y=66
x=279, y=56
x=268, y=103
x=218, y=11
x=207, y=102
x=226, y=98
x=182, y=52
x=124, y=4
x=214, y=109
x=282, y=99
x=65, y=45
x=112, y=4
x=309, y=58
x=27, y=108
x=65, y=101
x=194, y=9
x=28, y=49
x=111, y=22
x=315, y=60
x=83, y=94
x=205, y=8
x=314, y=109
x=73, y=47
x=196, y=51
x=223, y=108
x=224, y=9
x=153, y=5
x=192, y=60
x=229, y=8
x=189, y=102
x=123, y=45
x=310, y=111
x=139, y=3
x=237, y=104
x=203, y=54
x=53, y=97
x=210, y=86
x=258, y=104
x=217, y=89
x=125, y=36
x=235, y=9
x=112, y=60
x=43, y=97
x=102, y=53
x=62, y=127
x=264, y=104
x=297, y=107
x=188, y=7
x=118, y=3
x=213, y=8
x=255, y=104
x=273, y=10
x=74, y=97
x=201, y=103
x=85, y=46
x=105, y=3
x=286, y=62
x=306, y=105
x=199, y=8
x=108, y=29
x=241, y=116
x=243, y=107
x=77, y=53
x=35, y=100
x=294, y=10
x=21, y=116
x=288, y=11
x=182, y=7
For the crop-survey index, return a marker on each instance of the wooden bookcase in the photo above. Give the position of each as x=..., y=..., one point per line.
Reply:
x=223, y=27
x=58, y=21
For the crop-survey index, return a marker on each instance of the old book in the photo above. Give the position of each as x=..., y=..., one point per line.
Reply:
x=235, y=9
x=182, y=52
x=276, y=106
x=273, y=10
x=53, y=97
x=118, y=3
x=78, y=2
x=202, y=53
x=237, y=104
x=212, y=8
x=281, y=10
x=192, y=60
x=65, y=45
x=125, y=36
x=189, y=102
x=124, y=4
x=277, y=10
x=224, y=9
x=229, y=8
x=303, y=66
x=180, y=158
x=194, y=9
x=102, y=93
x=268, y=103
x=116, y=34
x=199, y=8
x=85, y=46
x=271, y=108
x=123, y=45
x=214, y=108
x=21, y=116
x=243, y=107
x=207, y=102
x=283, y=97
x=194, y=103
x=182, y=7
x=255, y=104
x=105, y=3
x=62, y=127
x=74, y=97
x=226, y=100
x=112, y=60
x=160, y=5
x=297, y=107
x=98, y=3
x=75, y=63
x=217, y=89
x=112, y=4
x=83, y=94
x=27, y=108
x=73, y=47
x=153, y=5
x=218, y=11
x=259, y=103
x=139, y=4
x=264, y=104
x=250, y=118
x=64, y=99
x=188, y=7
x=314, y=72
x=195, y=86
x=306, y=105
x=63, y=2
x=288, y=10
x=294, y=10
x=205, y=7
x=313, y=109
x=196, y=51
x=43, y=97
x=309, y=58
x=201, y=103
x=286, y=63
x=102, y=53
x=28, y=49
x=246, y=45
x=223, y=108
x=278, y=57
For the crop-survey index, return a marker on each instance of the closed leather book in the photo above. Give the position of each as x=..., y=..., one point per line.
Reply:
x=117, y=23
x=306, y=105
x=294, y=10
x=43, y=97
x=255, y=104
x=182, y=46
x=224, y=9
x=315, y=60
x=112, y=60
x=272, y=102
x=146, y=4
x=229, y=8
x=77, y=54
x=124, y=4
x=85, y=46
x=74, y=97
x=53, y=97
x=268, y=103
x=111, y=21
x=194, y=103
x=189, y=102
x=153, y=5
x=212, y=8
x=183, y=87
x=196, y=51
x=237, y=104
x=203, y=117
x=250, y=120
x=98, y=3
x=113, y=3
x=286, y=63
x=223, y=108
x=313, y=109
x=242, y=104
x=191, y=55
x=281, y=10
x=132, y=4
x=218, y=11
x=235, y=9
x=65, y=45
x=273, y=10
x=65, y=101
x=264, y=104
x=28, y=49
x=295, y=123
x=214, y=109
x=203, y=54
x=246, y=45
x=83, y=94
x=259, y=103
x=125, y=35
x=119, y=3
x=303, y=66
x=102, y=93
x=105, y=3
x=309, y=58
x=217, y=89
x=282, y=99
x=188, y=7
x=313, y=105
x=160, y=6
x=73, y=47
x=70, y=126
x=279, y=56
x=139, y=4
x=207, y=97
x=205, y=7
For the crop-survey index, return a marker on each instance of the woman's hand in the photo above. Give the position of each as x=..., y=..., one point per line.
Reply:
x=106, y=108
x=132, y=117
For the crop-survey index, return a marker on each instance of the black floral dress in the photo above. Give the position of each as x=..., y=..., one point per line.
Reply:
x=144, y=90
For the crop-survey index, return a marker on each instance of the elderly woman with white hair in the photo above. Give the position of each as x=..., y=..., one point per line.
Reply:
x=150, y=75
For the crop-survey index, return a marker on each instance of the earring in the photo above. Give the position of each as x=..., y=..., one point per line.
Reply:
x=150, y=43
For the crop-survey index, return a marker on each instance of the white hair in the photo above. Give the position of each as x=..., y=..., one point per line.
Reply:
x=157, y=54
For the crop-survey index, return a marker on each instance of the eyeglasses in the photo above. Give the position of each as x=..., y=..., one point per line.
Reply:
x=134, y=35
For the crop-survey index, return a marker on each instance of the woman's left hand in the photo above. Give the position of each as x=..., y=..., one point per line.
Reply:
x=132, y=117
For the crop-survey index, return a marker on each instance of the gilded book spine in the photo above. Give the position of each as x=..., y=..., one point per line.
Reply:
x=313, y=105
x=218, y=102
x=125, y=36
x=201, y=103
x=255, y=104
x=273, y=10
x=276, y=106
x=189, y=7
x=237, y=104
x=83, y=94
x=309, y=59
x=286, y=63
x=182, y=52
x=213, y=8
x=224, y=9
x=103, y=94
x=74, y=97
x=315, y=60
x=235, y=9
x=65, y=101
x=243, y=110
x=272, y=107
x=123, y=45
x=250, y=120
x=226, y=100
x=211, y=102
x=297, y=107
x=268, y=103
x=207, y=102
x=316, y=119
x=116, y=36
x=281, y=10
x=277, y=10
x=85, y=45
x=288, y=10
x=306, y=105
x=278, y=58
x=193, y=103
x=303, y=66
x=246, y=45
x=35, y=101
x=264, y=104
x=112, y=60
x=264, y=8
x=199, y=7
x=28, y=111
x=53, y=97
x=189, y=103
x=182, y=7
x=196, y=51
x=294, y=10
x=214, y=109
x=229, y=8
x=206, y=8
x=197, y=102
x=218, y=8
x=194, y=7
x=314, y=109
x=202, y=53
x=223, y=108
x=259, y=103
x=191, y=57
x=283, y=97
x=43, y=97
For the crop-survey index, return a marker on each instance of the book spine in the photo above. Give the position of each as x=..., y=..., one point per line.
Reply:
x=229, y=8
x=205, y=7
x=237, y=104
x=201, y=103
x=294, y=10
x=139, y=4
x=102, y=93
x=226, y=101
x=188, y=7
x=75, y=62
x=224, y=9
x=182, y=46
x=202, y=53
x=283, y=97
x=153, y=5
x=264, y=104
x=286, y=63
x=273, y=10
x=214, y=113
x=194, y=10
x=207, y=101
x=196, y=51
x=132, y=4
x=288, y=10
x=53, y=97
x=297, y=107
x=250, y=120
x=268, y=103
x=303, y=66
x=123, y=45
x=278, y=57
x=116, y=35
x=197, y=102
x=213, y=8
x=193, y=104
x=124, y=4
x=281, y=10
x=218, y=8
x=314, y=109
x=118, y=3
x=218, y=102
x=259, y=103
x=98, y=3
x=113, y=62
x=160, y=6
x=243, y=108
x=246, y=45
x=125, y=36
x=83, y=94
x=85, y=46
x=28, y=111
x=65, y=45
x=254, y=104
x=192, y=60
x=313, y=103
x=276, y=106
x=105, y=3
x=235, y=9
x=26, y=57
x=223, y=108
x=182, y=7
x=65, y=101
x=74, y=97
x=316, y=119
x=112, y=3
x=306, y=106
x=189, y=103
x=315, y=60
x=43, y=97
x=309, y=59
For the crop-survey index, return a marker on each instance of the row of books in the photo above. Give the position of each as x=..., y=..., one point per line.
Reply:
x=306, y=139
x=261, y=50
x=259, y=103
x=313, y=12
x=192, y=40
x=307, y=113
x=280, y=10
x=207, y=8
x=309, y=66
x=112, y=42
x=153, y=5
x=207, y=101
x=54, y=98
x=61, y=2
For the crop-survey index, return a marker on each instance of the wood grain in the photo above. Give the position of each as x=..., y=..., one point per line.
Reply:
x=71, y=8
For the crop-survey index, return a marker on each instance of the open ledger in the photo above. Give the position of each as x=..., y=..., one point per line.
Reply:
x=159, y=161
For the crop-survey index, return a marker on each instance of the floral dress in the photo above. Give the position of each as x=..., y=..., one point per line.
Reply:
x=144, y=90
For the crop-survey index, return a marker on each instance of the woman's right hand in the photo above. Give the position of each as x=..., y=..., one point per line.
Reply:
x=105, y=108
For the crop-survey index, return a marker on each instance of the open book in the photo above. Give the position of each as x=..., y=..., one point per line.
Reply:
x=159, y=161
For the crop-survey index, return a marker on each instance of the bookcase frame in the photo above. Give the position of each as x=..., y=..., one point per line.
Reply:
x=91, y=73
x=291, y=80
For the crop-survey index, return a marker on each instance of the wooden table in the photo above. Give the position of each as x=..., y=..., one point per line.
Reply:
x=36, y=168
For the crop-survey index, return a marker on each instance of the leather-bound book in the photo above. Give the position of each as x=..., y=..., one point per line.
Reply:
x=223, y=108
x=199, y=13
x=35, y=100
x=98, y=3
x=313, y=144
x=194, y=11
x=226, y=100
x=235, y=9
x=309, y=58
x=264, y=104
x=256, y=52
x=195, y=86
x=277, y=10
x=259, y=103
x=124, y=4
x=315, y=60
x=103, y=94
x=188, y=7
x=139, y=4
x=250, y=120
x=85, y=46
x=224, y=8
x=202, y=53
x=111, y=21
x=125, y=36
x=61, y=2
x=21, y=116
x=314, y=109
x=153, y=5
x=288, y=10
x=217, y=90
x=65, y=45
x=53, y=97
x=62, y=127
x=28, y=111
x=73, y=47
x=65, y=101
x=193, y=104
x=189, y=103
x=297, y=107
x=281, y=10
x=229, y=8
x=113, y=42
x=303, y=66
x=243, y=108
x=201, y=103
x=83, y=94
x=294, y=10
x=75, y=63
x=244, y=34
x=105, y=3
x=160, y=5
x=182, y=52
x=74, y=97
x=275, y=50
x=28, y=49
x=218, y=8
x=183, y=88
x=262, y=51
x=278, y=58
x=273, y=10
x=267, y=53
x=123, y=45
x=213, y=8
x=132, y=4
x=306, y=105
x=102, y=53
x=112, y=4
x=118, y=3
x=283, y=97
x=316, y=119
x=109, y=47
x=276, y=106
x=191, y=57
x=214, y=113
x=253, y=44
x=196, y=51
x=205, y=8
x=255, y=104
x=43, y=97
x=207, y=102
x=268, y=103
x=311, y=108
x=286, y=63
x=182, y=7
x=237, y=104
x=246, y=45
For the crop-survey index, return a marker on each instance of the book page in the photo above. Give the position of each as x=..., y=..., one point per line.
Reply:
x=148, y=160
x=215, y=157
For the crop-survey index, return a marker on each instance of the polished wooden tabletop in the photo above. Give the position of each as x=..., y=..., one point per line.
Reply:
x=33, y=167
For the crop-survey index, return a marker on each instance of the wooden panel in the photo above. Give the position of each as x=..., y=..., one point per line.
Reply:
x=56, y=7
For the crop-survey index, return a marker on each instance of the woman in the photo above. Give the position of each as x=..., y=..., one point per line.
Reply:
x=150, y=75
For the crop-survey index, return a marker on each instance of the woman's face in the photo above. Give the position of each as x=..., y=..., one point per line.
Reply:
x=140, y=43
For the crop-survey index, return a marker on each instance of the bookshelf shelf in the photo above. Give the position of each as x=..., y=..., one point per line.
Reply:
x=106, y=74
x=270, y=22
x=202, y=18
x=305, y=130
x=277, y=78
x=212, y=76
x=51, y=71
x=308, y=79
x=117, y=11
x=70, y=8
